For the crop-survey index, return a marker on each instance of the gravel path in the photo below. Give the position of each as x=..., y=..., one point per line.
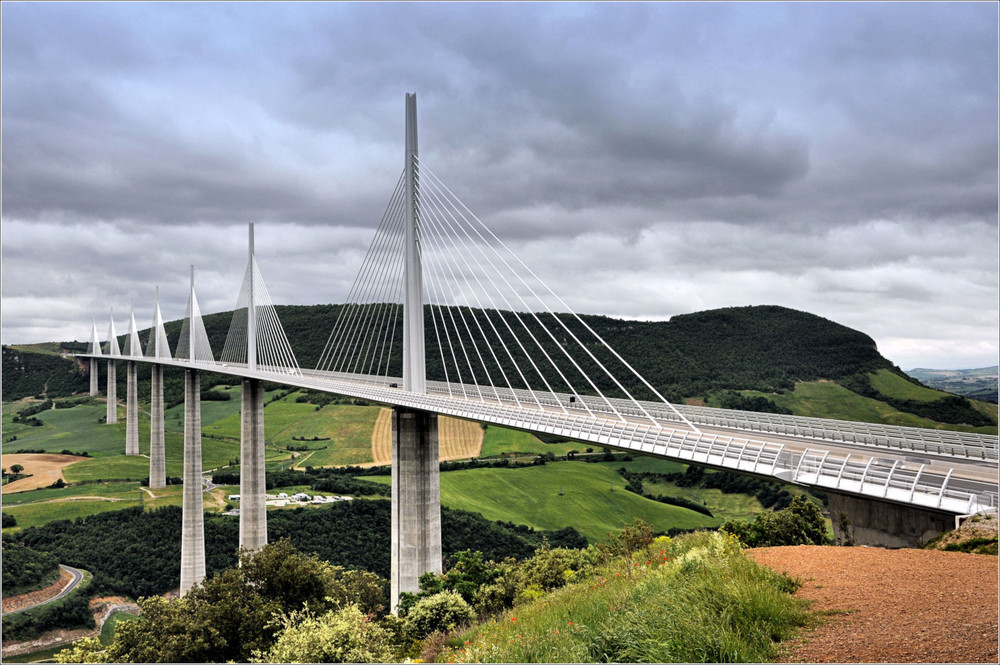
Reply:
x=906, y=606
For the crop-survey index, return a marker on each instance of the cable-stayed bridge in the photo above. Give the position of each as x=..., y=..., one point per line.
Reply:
x=443, y=319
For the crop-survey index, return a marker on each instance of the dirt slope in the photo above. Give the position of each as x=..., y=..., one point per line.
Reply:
x=907, y=606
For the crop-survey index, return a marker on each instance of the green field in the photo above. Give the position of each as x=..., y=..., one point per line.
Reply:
x=589, y=497
x=350, y=431
x=80, y=428
x=109, y=490
x=115, y=496
x=893, y=385
x=35, y=514
x=825, y=399
x=498, y=440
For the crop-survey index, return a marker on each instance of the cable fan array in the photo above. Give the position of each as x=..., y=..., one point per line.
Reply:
x=493, y=330
x=273, y=352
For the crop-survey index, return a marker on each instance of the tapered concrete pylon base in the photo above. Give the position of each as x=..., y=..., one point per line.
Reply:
x=94, y=389
x=253, y=499
x=416, y=500
x=192, y=516
x=131, y=410
x=112, y=415
x=157, y=453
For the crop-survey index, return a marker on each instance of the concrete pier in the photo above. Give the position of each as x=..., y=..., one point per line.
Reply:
x=112, y=416
x=94, y=390
x=193, y=515
x=884, y=524
x=131, y=410
x=416, y=500
x=157, y=453
x=253, y=498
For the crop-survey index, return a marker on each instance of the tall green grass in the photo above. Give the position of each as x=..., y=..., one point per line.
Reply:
x=690, y=599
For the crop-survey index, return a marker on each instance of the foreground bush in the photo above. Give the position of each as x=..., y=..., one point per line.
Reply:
x=801, y=523
x=441, y=612
x=691, y=599
x=339, y=636
x=237, y=613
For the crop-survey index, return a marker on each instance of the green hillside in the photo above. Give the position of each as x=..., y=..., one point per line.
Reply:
x=767, y=349
x=589, y=497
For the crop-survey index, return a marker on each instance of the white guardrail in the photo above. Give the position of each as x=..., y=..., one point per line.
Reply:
x=899, y=482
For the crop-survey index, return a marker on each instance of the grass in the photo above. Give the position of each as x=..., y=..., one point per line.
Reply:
x=41, y=656
x=893, y=385
x=690, y=599
x=349, y=429
x=110, y=490
x=589, y=497
x=825, y=399
x=79, y=429
x=36, y=514
x=111, y=623
x=499, y=440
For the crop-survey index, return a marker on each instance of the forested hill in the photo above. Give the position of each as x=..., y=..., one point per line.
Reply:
x=765, y=348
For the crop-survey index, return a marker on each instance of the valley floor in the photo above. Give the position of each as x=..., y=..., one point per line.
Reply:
x=892, y=606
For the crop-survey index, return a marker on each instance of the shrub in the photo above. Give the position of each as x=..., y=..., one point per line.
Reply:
x=800, y=524
x=340, y=636
x=443, y=611
x=9, y=520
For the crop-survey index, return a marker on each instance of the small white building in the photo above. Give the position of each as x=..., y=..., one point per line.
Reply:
x=301, y=496
x=234, y=497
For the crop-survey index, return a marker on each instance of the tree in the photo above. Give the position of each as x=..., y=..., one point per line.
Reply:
x=16, y=468
x=236, y=613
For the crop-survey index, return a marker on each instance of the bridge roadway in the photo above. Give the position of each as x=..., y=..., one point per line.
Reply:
x=810, y=451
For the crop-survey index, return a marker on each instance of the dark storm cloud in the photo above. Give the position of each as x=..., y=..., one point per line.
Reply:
x=833, y=157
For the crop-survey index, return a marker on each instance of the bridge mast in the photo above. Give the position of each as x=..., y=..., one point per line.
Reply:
x=414, y=372
x=416, y=483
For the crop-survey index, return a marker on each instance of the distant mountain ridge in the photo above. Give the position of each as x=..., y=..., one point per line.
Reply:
x=979, y=383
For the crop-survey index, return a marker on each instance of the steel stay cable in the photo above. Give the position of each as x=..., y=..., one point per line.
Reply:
x=485, y=313
x=566, y=328
x=374, y=250
x=472, y=338
x=516, y=316
x=373, y=265
x=323, y=355
x=461, y=316
x=555, y=365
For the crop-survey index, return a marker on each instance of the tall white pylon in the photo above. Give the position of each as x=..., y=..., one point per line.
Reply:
x=192, y=511
x=114, y=352
x=133, y=348
x=414, y=367
x=157, y=348
x=95, y=348
x=193, y=343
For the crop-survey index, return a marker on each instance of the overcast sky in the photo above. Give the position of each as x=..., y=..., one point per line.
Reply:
x=645, y=159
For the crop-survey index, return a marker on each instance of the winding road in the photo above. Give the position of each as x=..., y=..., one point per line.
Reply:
x=76, y=576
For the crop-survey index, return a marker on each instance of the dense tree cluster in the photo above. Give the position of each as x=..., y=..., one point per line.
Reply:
x=137, y=553
x=26, y=373
x=25, y=568
x=73, y=611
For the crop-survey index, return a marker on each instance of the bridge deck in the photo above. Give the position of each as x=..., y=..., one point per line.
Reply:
x=874, y=461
